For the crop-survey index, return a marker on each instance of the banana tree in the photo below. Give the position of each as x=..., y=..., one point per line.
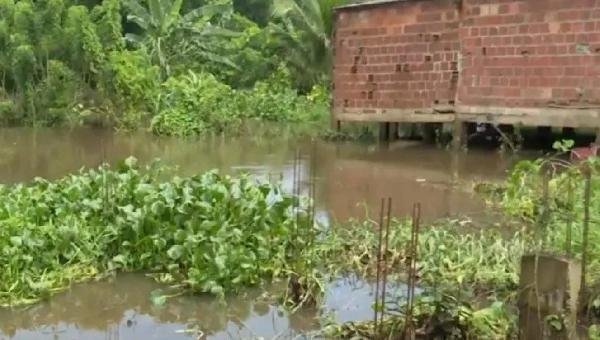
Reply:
x=304, y=29
x=164, y=28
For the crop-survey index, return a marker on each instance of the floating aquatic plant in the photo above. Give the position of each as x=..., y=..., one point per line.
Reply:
x=211, y=233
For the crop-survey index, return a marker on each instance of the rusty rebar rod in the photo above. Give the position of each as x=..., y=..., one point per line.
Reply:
x=295, y=198
x=385, y=261
x=544, y=217
x=313, y=185
x=570, y=218
x=586, y=227
x=408, y=332
x=381, y=213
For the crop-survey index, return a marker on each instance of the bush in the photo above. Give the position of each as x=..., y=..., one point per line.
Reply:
x=276, y=100
x=134, y=84
x=7, y=110
x=56, y=95
x=192, y=104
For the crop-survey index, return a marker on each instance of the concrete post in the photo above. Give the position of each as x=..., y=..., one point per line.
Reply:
x=384, y=132
x=459, y=135
x=549, y=287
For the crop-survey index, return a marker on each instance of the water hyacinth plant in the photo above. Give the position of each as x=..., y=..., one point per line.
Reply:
x=209, y=233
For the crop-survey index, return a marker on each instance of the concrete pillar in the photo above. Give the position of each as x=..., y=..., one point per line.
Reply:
x=459, y=135
x=429, y=132
x=384, y=132
x=544, y=134
x=549, y=287
x=394, y=131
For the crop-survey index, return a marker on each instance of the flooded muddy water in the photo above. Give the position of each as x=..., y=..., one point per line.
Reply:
x=120, y=308
x=350, y=177
x=350, y=181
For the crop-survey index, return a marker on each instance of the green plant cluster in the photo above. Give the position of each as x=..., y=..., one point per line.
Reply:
x=127, y=63
x=193, y=104
x=208, y=233
x=448, y=255
x=435, y=316
x=547, y=195
x=51, y=56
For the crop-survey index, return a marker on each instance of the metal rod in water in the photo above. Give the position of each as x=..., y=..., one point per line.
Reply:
x=381, y=213
x=313, y=185
x=294, y=175
x=297, y=179
x=543, y=222
x=385, y=260
x=586, y=227
x=412, y=271
x=570, y=218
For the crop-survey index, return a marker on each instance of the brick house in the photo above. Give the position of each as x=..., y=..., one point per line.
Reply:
x=525, y=62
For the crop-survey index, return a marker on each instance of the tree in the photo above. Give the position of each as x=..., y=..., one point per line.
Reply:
x=167, y=33
x=85, y=49
x=107, y=18
x=258, y=11
x=304, y=30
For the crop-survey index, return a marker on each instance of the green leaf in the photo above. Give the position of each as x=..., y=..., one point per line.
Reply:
x=16, y=241
x=158, y=298
x=220, y=262
x=131, y=162
x=175, y=252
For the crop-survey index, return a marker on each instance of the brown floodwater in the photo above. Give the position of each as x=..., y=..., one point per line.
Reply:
x=351, y=178
x=350, y=181
x=119, y=308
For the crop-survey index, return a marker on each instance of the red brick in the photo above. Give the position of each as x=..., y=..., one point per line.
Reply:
x=531, y=53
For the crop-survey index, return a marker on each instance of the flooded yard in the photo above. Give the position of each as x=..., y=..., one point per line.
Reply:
x=350, y=181
x=119, y=308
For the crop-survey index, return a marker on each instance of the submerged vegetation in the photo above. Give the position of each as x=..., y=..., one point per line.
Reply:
x=181, y=67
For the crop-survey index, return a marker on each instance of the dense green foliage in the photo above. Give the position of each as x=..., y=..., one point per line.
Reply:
x=555, y=209
x=123, y=62
x=211, y=233
x=195, y=103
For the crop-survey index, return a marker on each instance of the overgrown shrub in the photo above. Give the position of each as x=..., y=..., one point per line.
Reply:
x=134, y=83
x=192, y=104
x=276, y=100
x=7, y=110
x=56, y=95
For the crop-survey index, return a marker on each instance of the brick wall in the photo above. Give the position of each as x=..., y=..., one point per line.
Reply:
x=401, y=55
x=502, y=53
x=533, y=53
